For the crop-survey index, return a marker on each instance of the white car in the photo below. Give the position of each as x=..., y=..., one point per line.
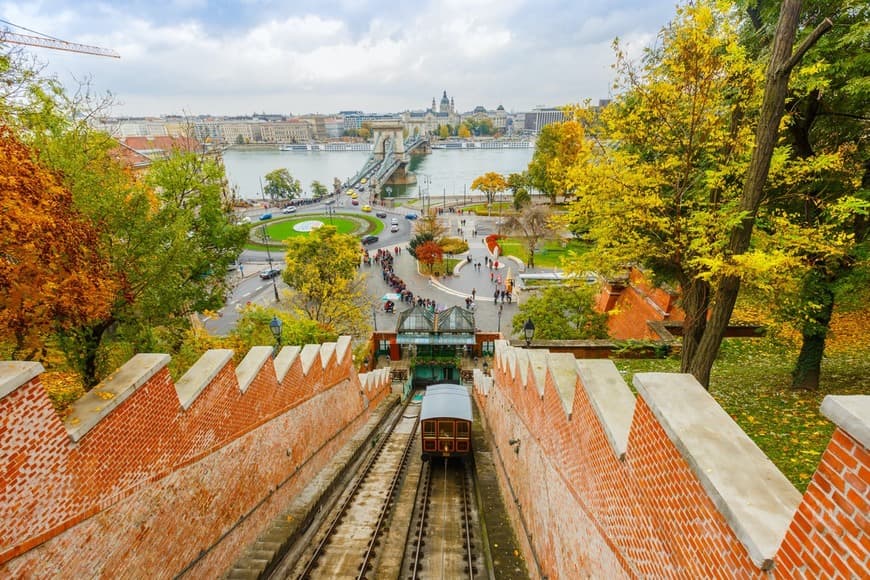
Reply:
x=289, y=209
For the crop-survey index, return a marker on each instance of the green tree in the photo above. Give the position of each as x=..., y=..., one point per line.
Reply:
x=318, y=189
x=444, y=131
x=562, y=313
x=322, y=271
x=281, y=185
x=418, y=240
x=518, y=183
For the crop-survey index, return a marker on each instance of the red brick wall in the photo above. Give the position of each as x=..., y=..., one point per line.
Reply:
x=151, y=485
x=586, y=513
x=830, y=534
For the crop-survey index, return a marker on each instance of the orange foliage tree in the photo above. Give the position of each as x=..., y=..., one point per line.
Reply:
x=429, y=253
x=50, y=271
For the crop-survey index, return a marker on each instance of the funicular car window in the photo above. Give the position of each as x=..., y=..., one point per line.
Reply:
x=445, y=429
x=462, y=430
x=429, y=428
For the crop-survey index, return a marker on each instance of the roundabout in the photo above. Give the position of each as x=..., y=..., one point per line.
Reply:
x=274, y=232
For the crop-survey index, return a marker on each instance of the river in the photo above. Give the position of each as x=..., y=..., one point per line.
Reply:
x=443, y=172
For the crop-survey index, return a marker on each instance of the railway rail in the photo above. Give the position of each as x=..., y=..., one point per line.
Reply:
x=444, y=544
x=347, y=545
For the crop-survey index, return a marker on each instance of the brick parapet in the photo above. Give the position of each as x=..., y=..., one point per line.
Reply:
x=146, y=459
x=689, y=495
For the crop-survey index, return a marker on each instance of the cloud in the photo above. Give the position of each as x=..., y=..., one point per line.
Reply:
x=337, y=54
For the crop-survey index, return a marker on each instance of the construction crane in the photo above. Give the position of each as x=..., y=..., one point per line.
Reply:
x=53, y=43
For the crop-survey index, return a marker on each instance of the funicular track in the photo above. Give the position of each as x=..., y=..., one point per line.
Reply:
x=444, y=542
x=346, y=546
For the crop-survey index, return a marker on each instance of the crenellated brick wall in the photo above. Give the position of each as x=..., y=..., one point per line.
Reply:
x=148, y=477
x=604, y=484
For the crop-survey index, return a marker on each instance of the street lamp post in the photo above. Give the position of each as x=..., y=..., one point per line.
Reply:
x=529, y=331
x=269, y=257
x=275, y=326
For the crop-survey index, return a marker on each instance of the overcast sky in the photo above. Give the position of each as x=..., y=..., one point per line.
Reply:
x=322, y=56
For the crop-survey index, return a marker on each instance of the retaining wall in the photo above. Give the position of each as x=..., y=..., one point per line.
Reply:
x=148, y=477
x=606, y=484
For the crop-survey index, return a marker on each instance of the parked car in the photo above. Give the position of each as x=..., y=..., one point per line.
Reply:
x=411, y=216
x=381, y=214
x=369, y=240
x=265, y=216
x=367, y=208
x=269, y=274
x=289, y=209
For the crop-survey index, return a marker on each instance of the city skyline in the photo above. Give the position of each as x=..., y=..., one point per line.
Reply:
x=191, y=57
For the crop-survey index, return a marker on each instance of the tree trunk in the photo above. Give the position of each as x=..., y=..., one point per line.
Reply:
x=695, y=303
x=808, y=368
x=782, y=61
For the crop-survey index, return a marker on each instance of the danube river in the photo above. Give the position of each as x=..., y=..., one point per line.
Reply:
x=444, y=171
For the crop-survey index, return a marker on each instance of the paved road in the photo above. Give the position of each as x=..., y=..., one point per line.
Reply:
x=448, y=291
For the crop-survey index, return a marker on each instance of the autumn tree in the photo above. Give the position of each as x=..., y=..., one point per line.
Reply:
x=281, y=185
x=532, y=223
x=430, y=253
x=655, y=182
x=51, y=273
x=825, y=124
x=443, y=131
x=463, y=132
x=430, y=225
x=562, y=313
x=326, y=286
x=558, y=148
x=784, y=57
x=490, y=184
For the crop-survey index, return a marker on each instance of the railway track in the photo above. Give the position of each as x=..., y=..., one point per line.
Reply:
x=346, y=547
x=445, y=543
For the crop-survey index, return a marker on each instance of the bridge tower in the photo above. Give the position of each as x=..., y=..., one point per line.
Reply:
x=389, y=139
x=385, y=133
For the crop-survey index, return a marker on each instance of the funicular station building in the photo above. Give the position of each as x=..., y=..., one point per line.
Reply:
x=429, y=347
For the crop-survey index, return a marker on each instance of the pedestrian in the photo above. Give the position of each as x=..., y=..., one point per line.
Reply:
x=491, y=277
x=495, y=296
x=473, y=293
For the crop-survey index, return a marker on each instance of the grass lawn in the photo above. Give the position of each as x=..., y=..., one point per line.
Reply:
x=751, y=382
x=482, y=210
x=549, y=255
x=281, y=229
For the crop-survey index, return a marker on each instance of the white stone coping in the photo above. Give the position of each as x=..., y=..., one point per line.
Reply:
x=307, y=356
x=114, y=390
x=285, y=359
x=611, y=400
x=754, y=497
x=250, y=366
x=201, y=374
x=851, y=413
x=563, y=367
x=15, y=373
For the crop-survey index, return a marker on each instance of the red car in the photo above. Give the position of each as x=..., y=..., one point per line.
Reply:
x=354, y=202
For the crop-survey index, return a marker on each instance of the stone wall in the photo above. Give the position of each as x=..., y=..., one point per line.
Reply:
x=151, y=476
x=665, y=484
